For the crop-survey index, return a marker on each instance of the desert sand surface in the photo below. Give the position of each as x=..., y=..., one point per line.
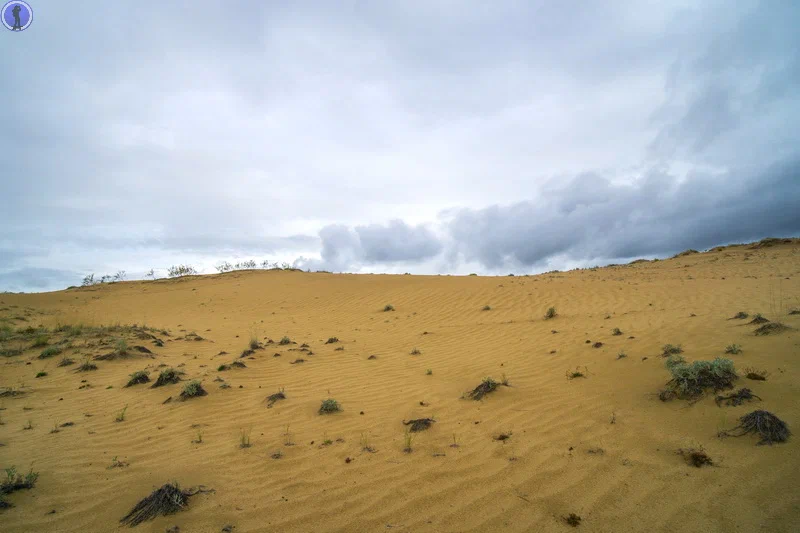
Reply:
x=602, y=446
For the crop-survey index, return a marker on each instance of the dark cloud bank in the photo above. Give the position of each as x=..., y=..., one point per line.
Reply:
x=419, y=137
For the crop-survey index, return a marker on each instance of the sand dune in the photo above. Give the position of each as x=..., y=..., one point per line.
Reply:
x=564, y=455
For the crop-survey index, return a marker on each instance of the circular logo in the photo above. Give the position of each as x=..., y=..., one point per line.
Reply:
x=17, y=15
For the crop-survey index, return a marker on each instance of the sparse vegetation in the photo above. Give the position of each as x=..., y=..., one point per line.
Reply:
x=66, y=361
x=616, y=332
x=165, y=501
x=622, y=355
x=572, y=519
x=177, y=271
x=121, y=415
x=755, y=374
x=40, y=341
x=767, y=426
x=551, y=313
x=244, y=438
x=387, y=308
x=429, y=372
x=50, y=351
x=86, y=366
x=15, y=481
x=272, y=398
x=671, y=349
x=41, y=374
x=365, y=444
x=329, y=406
x=737, y=398
x=415, y=351
x=254, y=344
x=419, y=424
x=408, y=439
x=758, y=318
x=696, y=457
x=734, y=349
x=138, y=377
x=741, y=315
x=577, y=373
x=284, y=341
x=486, y=308
x=771, y=328
x=332, y=340
x=487, y=386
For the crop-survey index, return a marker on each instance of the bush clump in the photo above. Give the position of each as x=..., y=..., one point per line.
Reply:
x=329, y=406
x=137, y=378
x=167, y=500
x=671, y=349
x=690, y=380
x=167, y=376
x=15, y=481
x=193, y=389
x=50, y=351
x=551, y=313
x=768, y=426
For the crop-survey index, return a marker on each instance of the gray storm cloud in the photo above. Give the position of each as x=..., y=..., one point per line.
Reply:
x=408, y=136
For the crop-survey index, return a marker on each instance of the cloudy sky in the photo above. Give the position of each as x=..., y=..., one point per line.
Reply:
x=434, y=136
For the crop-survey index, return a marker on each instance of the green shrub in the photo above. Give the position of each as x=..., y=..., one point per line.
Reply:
x=41, y=340
x=140, y=376
x=670, y=349
x=329, y=406
x=551, y=313
x=169, y=375
x=193, y=389
x=50, y=351
x=690, y=380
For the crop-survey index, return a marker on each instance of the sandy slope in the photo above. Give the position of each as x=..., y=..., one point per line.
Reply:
x=564, y=456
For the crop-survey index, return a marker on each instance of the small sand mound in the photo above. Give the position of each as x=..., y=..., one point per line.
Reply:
x=772, y=328
x=695, y=457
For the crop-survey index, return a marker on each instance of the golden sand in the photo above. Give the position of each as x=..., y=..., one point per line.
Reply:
x=603, y=446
